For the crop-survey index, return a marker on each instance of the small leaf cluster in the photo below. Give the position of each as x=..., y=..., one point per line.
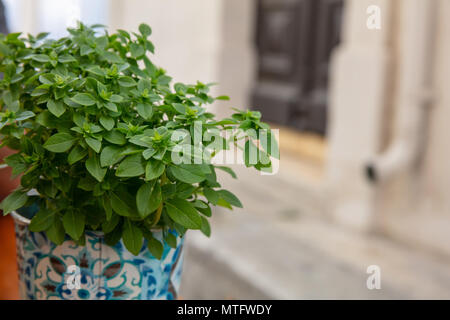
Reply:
x=92, y=118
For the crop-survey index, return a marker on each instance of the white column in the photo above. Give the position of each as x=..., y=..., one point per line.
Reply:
x=360, y=78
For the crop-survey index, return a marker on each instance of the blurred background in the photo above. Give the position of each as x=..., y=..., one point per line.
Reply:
x=359, y=91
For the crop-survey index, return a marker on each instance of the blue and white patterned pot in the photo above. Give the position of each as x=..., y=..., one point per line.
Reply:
x=96, y=270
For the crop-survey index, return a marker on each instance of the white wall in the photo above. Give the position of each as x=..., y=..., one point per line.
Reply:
x=186, y=34
x=360, y=77
x=369, y=68
x=417, y=208
x=209, y=41
x=54, y=16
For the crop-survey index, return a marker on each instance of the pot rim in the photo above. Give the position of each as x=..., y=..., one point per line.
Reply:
x=18, y=218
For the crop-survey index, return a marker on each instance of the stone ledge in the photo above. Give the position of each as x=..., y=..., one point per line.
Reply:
x=262, y=259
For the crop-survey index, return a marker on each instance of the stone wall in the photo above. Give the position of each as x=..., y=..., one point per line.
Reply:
x=204, y=40
x=369, y=73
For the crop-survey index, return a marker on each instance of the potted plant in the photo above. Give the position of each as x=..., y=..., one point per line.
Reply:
x=114, y=163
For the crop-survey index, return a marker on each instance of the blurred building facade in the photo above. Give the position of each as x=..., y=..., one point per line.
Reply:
x=387, y=101
x=387, y=87
x=359, y=89
x=389, y=105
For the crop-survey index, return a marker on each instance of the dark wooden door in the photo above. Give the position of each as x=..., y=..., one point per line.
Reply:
x=294, y=40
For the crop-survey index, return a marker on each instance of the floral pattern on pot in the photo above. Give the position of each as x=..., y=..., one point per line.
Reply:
x=101, y=272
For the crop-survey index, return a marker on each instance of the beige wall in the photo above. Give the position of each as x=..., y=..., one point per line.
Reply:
x=360, y=77
x=420, y=214
x=184, y=33
x=369, y=73
x=197, y=40
x=437, y=158
x=213, y=41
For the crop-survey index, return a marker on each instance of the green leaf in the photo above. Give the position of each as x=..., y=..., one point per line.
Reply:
x=111, y=238
x=47, y=78
x=127, y=82
x=42, y=220
x=4, y=49
x=40, y=57
x=94, y=144
x=101, y=42
x=107, y=122
x=74, y=223
x=132, y=237
x=14, y=201
x=56, y=231
x=16, y=78
x=116, y=98
x=228, y=170
x=122, y=203
x=132, y=166
x=106, y=202
x=224, y=204
x=17, y=163
x=124, y=34
x=182, y=212
x=60, y=142
x=66, y=58
x=76, y=154
x=206, y=228
x=250, y=153
x=115, y=137
x=144, y=84
x=111, y=57
x=96, y=70
x=94, y=168
x=230, y=198
x=212, y=195
x=42, y=35
x=154, y=169
x=85, y=99
x=180, y=108
x=206, y=211
x=171, y=240
x=85, y=50
x=156, y=248
x=148, y=198
x=111, y=224
x=136, y=50
x=148, y=153
x=110, y=156
x=188, y=173
x=226, y=98
x=111, y=106
x=269, y=144
x=87, y=184
x=145, y=110
x=24, y=115
x=56, y=107
x=180, y=88
x=145, y=29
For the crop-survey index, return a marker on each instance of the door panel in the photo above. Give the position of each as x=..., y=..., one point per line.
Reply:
x=294, y=41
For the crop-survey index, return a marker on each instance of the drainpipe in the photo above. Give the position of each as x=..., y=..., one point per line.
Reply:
x=414, y=92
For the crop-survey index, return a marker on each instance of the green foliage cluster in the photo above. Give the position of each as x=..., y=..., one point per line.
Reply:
x=92, y=118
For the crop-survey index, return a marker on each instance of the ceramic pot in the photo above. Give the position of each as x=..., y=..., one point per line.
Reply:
x=95, y=271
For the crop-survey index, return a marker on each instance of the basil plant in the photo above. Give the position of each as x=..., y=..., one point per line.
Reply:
x=109, y=144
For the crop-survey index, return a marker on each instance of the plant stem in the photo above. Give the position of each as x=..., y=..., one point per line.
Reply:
x=159, y=210
x=157, y=215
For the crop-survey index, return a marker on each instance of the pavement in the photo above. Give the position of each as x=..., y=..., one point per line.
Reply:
x=282, y=246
